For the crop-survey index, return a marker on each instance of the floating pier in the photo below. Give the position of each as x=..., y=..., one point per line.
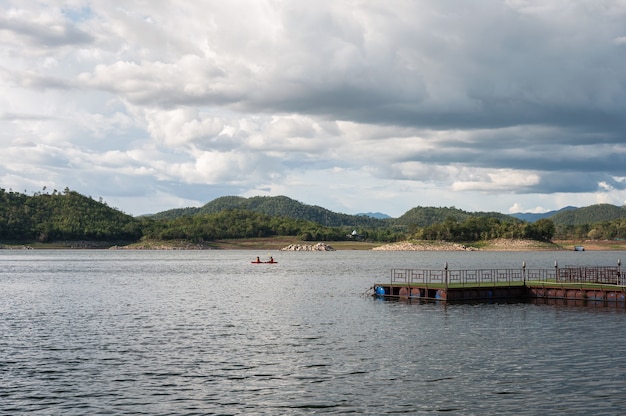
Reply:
x=578, y=284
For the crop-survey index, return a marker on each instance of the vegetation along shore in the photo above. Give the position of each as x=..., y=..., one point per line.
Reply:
x=68, y=219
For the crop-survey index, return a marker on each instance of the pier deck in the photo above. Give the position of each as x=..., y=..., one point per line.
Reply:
x=598, y=284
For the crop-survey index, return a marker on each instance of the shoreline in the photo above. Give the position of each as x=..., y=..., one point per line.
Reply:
x=282, y=243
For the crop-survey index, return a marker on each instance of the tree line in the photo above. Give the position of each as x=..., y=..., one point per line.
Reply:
x=486, y=228
x=603, y=230
x=236, y=223
x=70, y=216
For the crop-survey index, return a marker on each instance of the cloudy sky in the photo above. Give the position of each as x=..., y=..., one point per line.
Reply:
x=354, y=105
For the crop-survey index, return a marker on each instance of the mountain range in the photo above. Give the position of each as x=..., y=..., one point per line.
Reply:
x=283, y=206
x=70, y=216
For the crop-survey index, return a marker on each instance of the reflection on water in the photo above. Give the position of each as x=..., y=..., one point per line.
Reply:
x=89, y=332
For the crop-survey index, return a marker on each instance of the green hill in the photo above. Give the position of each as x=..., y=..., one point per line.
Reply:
x=425, y=216
x=70, y=216
x=282, y=206
x=589, y=215
x=277, y=206
x=62, y=216
x=418, y=216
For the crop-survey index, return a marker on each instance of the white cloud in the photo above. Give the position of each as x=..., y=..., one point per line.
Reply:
x=502, y=180
x=359, y=106
x=181, y=126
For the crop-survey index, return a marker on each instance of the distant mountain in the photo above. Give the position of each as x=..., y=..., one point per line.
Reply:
x=532, y=217
x=378, y=215
x=589, y=215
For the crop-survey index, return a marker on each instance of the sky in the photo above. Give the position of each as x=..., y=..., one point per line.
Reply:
x=352, y=105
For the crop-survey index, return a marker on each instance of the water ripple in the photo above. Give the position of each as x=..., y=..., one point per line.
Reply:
x=94, y=332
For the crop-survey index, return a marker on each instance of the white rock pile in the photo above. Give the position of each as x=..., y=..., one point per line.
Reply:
x=308, y=247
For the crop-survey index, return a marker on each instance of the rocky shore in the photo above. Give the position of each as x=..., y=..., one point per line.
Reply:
x=499, y=244
x=424, y=246
x=3, y=247
x=156, y=245
x=308, y=247
x=511, y=244
x=288, y=244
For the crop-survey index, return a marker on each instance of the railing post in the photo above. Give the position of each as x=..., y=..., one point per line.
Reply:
x=445, y=268
x=556, y=271
x=619, y=272
x=524, y=272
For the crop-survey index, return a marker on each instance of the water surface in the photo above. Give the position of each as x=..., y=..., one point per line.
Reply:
x=207, y=332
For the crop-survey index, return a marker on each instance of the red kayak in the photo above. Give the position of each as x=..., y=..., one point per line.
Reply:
x=270, y=261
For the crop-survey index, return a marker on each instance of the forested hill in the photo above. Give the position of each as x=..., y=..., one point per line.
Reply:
x=589, y=215
x=62, y=216
x=282, y=206
x=426, y=216
x=277, y=206
x=70, y=216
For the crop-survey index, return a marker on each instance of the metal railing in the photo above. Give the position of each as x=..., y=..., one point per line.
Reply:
x=494, y=277
x=583, y=274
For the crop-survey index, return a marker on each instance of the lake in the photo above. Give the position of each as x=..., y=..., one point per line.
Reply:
x=207, y=332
